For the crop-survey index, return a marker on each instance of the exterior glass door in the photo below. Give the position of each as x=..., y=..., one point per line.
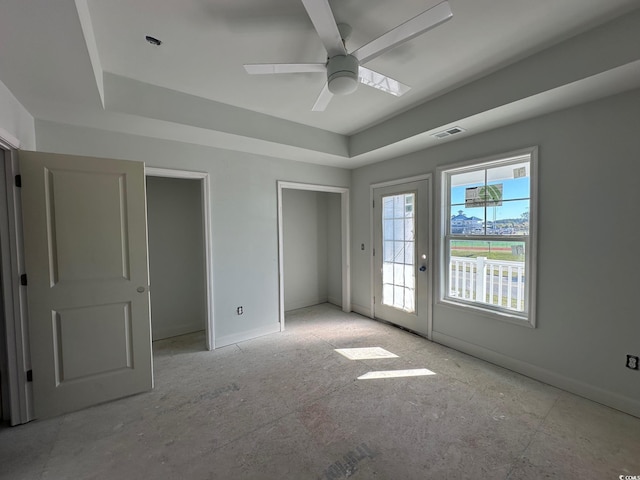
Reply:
x=401, y=254
x=398, y=251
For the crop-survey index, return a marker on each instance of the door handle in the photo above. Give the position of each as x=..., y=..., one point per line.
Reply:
x=423, y=268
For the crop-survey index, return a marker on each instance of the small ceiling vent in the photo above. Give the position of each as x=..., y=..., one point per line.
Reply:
x=448, y=132
x=153, y=40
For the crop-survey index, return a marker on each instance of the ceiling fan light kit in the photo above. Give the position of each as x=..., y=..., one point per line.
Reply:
x=342, y=74
x=343, y=69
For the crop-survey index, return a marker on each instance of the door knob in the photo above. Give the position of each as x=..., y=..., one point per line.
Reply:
x=140, y=289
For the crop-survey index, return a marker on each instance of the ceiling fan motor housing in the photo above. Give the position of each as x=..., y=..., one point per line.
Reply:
x=342, y=74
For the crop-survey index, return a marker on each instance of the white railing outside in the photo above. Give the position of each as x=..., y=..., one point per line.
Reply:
x=495, y=282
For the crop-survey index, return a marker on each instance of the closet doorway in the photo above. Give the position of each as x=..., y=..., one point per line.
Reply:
x=313, y=246
x=179, y=253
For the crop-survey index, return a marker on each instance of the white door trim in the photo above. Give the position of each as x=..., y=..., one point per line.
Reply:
x=346, y=241
x=8, y=141
x=206, y=222
x=15, y=298
x=428, y=177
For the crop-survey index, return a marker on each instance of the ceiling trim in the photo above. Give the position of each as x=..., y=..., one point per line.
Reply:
x=141, y=99
x=92, y=47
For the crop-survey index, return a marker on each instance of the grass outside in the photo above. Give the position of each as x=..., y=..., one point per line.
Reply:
x=503, y=250
x=490, y=254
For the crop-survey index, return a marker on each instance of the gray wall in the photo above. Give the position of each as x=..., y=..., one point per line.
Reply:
x=243, y=214
x=176, y=256
x=311, y=260
x=587, y=311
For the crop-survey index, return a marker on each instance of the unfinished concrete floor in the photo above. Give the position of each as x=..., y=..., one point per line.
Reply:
x=288, y=406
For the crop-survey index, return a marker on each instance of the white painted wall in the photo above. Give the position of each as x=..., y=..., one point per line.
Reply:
x=243, y=214
x=587, y=266
x=311, y=259
x=304, y=224
x=16, y=123
x=334, y=248
x=176, y=256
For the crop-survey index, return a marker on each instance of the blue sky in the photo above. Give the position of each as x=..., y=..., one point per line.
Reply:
x=512, y=206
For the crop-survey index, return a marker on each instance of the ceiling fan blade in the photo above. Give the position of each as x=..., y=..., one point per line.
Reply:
x=268, y=68
x=405, y=32
x=324, y=22
x=323, y=99
x=382, y=82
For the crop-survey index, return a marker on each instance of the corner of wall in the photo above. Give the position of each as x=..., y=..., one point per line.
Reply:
x=17, y=125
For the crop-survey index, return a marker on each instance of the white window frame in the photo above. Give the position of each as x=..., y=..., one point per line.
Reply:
x=527, y=318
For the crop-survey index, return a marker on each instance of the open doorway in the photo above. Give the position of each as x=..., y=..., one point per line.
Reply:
x=179, y=254
x=15, y=363
x=312, y=250
x=313, y=246
x=18, y=393
x=5, y=407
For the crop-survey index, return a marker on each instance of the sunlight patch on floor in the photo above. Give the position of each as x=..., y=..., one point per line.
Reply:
x=366, y=353
x=415, y=372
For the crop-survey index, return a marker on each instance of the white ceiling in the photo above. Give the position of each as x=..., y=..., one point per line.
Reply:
x=57, y=55
x=205, y=44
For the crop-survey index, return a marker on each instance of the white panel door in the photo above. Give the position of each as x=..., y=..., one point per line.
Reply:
x=85, y=238
x=401, y=255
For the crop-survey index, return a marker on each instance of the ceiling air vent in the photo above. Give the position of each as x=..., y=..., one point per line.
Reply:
x=448, y=132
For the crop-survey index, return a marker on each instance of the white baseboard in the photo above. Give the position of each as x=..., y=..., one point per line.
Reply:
x=365, y=311
x=305, y=302
x=248, y=335
x=605, y=397
x=335, y=301
x=176, y=330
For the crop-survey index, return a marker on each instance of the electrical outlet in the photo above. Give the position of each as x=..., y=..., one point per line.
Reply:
x=240, y=310
x=633, y=362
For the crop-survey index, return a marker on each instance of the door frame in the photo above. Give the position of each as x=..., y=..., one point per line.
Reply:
x=345, y=241
x=205, y=186
x=18, y=395
x=428, y=177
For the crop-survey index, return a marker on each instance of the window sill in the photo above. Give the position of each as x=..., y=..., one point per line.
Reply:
x=514, y=319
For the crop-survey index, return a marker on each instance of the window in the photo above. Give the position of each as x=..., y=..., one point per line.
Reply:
x=398, y=227
x=488, y=242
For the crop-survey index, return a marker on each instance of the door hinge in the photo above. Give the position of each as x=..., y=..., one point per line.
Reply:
x=23, y=279
x=373, y=203
x=18, y=180
x=29, y=375
x=373, y=250
x=374, y=300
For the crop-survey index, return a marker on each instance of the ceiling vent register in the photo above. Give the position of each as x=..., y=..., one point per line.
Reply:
x=448, y=132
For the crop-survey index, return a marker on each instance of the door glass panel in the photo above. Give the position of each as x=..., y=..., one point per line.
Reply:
x=398, y=265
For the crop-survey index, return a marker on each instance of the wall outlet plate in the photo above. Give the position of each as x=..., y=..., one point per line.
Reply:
x=633, y=362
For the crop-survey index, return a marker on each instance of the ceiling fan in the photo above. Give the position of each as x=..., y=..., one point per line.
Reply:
x=344, y=69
